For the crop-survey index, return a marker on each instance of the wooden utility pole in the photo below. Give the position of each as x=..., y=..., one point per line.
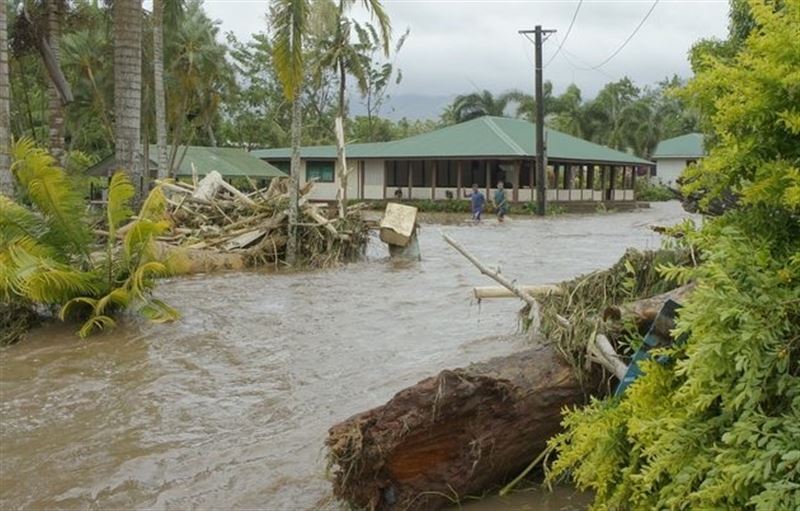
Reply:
x=541, y=187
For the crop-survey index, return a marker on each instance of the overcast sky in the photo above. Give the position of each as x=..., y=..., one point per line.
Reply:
x=458, y=46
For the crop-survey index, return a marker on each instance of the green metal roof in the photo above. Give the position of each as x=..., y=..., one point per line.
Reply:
x=228, y=161
x=484, y=137
x=685, y=146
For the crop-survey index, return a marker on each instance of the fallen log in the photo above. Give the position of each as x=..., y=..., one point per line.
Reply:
x=643, y=312
x=452, y=435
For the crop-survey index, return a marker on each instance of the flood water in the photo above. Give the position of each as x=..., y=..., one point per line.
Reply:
x=228, y=407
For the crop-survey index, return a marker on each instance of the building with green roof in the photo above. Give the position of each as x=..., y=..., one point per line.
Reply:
x=446, y=162
x=673, y=155
x=228, y=161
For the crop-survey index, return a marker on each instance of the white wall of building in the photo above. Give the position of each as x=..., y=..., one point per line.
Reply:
x=669, y=169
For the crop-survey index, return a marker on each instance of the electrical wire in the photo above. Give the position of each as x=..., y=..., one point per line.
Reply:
x=622, y=46
x=561, y=44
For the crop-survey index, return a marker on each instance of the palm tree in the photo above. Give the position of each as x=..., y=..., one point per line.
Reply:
x=479, y=104
x=346, y=56
x=158, y=88
x=571, y=117
x=289, y=19
x=55, y=103
x=6, y=180
x=127, y=16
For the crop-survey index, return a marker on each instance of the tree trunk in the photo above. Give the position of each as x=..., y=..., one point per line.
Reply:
x=454, y=434
x=158, y=79
x=128, y=90
x=6, y=180
x=341, y=164
x=55, y=102
x=294, y=181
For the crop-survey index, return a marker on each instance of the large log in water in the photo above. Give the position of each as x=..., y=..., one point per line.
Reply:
x=454, y=434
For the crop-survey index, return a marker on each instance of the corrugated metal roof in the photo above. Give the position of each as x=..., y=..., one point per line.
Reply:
x=228, y=161
x=685, y=146
x=484, y=137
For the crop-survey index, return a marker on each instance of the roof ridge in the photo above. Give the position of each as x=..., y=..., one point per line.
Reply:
x=504, y=136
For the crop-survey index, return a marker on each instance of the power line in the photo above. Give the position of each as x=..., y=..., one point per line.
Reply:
x=625, y=43
x=561, y=45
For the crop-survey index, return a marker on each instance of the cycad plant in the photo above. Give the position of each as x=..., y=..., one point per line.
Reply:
x=48, y=255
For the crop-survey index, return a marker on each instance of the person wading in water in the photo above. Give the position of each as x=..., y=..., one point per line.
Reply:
x=478, y=201
x=500, y=203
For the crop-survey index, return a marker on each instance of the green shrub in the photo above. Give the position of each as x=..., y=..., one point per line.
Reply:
x=653, y=192
x=718, y=425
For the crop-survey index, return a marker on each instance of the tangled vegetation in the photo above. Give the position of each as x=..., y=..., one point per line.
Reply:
x=583, y=300
x=653, y=192
x=718, y=425
x=49, y=258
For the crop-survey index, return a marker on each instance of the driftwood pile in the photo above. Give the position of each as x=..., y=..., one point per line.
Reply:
x=467, y=431
x=218, y=225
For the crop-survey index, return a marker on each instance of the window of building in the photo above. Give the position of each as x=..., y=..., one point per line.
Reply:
x=396, y=173
x=322, y=171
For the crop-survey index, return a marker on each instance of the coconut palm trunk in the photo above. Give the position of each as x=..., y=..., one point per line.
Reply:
x=6, y=181
x=341, y=163
x=127, y=16
x=294, y=181
x=54, y=100
x=158, y=78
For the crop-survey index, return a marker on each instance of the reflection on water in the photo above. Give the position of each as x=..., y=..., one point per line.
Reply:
x=228, y=408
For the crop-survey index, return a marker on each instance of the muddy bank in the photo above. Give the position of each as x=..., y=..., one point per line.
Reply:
x=229, y=407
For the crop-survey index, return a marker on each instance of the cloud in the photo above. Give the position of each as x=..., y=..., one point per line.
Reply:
x=457, y=46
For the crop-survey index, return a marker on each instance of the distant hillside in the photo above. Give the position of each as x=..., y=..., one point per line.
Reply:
x=410, y=106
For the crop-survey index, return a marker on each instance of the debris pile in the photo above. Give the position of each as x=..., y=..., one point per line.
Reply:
x=214, y=216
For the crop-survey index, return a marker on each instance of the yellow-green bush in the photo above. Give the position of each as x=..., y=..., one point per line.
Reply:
x=718, y=427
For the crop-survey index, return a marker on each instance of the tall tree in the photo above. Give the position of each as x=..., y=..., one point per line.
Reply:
x=346, y=55
x=289, y=20
x=6, y=180
x=158, y=89
x=127, y=15
x=55, y=104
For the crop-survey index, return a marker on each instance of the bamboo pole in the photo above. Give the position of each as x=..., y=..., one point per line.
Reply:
x=500, y=279
x=496, y=292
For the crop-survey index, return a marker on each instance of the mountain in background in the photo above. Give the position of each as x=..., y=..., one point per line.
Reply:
x=410, y=106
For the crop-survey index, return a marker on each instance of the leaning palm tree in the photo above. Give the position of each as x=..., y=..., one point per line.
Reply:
x=127, y=18
x=289, y=20
x=345, y=56
x=6, y=181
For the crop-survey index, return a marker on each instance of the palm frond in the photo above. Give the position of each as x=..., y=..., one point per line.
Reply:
x=81, y=301
x=96, y=323
x=46, y=281
x=375, y=8
x=16, y=220
x=120, y=193
x=154, y=206
x=289, y=20
x=51, y=192
x=158, y=312
x=138, y=243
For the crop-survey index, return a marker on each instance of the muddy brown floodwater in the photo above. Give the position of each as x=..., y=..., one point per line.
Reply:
x=228, y=407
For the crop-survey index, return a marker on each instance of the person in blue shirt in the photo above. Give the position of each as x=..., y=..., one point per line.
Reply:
x=500, y=202
x=478, y=202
